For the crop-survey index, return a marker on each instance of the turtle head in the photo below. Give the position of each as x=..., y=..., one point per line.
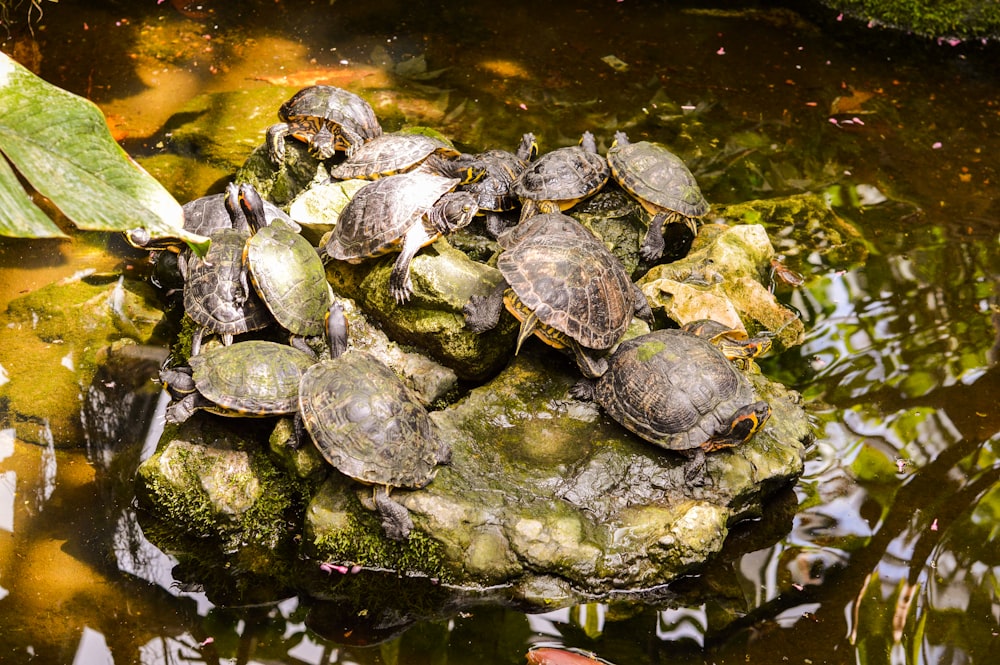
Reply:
x=252, y=206
x=323, y=143
x=337, y=329
x=455, y=210
x=528, y=148
x=746, y=422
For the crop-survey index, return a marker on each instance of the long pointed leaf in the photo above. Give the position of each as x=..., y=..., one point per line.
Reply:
x=60, y=143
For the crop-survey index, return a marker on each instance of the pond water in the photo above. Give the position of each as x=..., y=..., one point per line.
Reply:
x=891, y=555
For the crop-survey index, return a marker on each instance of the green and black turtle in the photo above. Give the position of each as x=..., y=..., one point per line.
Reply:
x=493, y=190
x=565, y=287
x=661, y=182
x=678, y=391
x=369, y=425
x=250, y=378
x=399, y=213
x=401, y=152
x=286, y=270
x=560, y=179
x=216, y=294
x=327, y=119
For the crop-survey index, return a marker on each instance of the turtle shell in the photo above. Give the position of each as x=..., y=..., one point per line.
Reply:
x=658, y=178
x=564, y=176
x=493, y=190
x=390, y=154
x=560, y=271
x=289, y=276
x=368, y=424
x=208, y=214
x=673, y=389
x=215, y=293
x=312, y=107
x=380, y=214
x=252, y=378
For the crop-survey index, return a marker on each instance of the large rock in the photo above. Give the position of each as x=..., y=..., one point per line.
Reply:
x=542, y=487
x=545, y=496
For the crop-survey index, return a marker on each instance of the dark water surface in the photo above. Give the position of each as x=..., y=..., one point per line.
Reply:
x=891, y=555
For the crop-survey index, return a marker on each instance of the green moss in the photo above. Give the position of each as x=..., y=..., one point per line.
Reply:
x=361, y=542
x=966, y=19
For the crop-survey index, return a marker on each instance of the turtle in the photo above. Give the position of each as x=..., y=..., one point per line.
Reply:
x=493, y=189
x=661, y=183
x=564, y=286
x=679, y=392
x=399, y=213
x=215, y=292
x=734, y=343
x=206, y=215
x=325, y=117
x=560, y=179
x=400, y=152
x=286, y=270
x=369, y=425
x=251, y=378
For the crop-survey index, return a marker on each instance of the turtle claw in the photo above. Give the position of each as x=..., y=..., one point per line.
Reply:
x=396, y=520
x=401, y=290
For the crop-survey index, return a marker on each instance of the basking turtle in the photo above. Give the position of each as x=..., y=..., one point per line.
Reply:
x=661, y=182
x=399, y=213
x=251, y=378
x=204, y=216
x=493, y=191
x=678, y=391
x=286, y=270
x=564, y=286
x=735, y=344
x=326, y=118
x=391, y=154
x=560, y=179
x=367, y=424
x=216, y=294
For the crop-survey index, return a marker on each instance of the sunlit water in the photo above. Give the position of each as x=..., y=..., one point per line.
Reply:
x=891, y=554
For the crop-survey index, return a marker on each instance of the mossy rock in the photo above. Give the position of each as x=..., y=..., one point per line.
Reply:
x=965, y=19
x=443, y=281
x=542, y=486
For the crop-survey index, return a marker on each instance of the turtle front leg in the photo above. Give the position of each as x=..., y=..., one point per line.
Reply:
x=400, y=285
x=482, y=313
x=275, y=140
x=183, y=409
x=396, y=520
x=642, y=309
x=696, y=467
x=653, y=244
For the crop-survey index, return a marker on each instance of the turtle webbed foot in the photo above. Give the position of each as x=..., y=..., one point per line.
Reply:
x=653, y=244
x=396, y=520
x=276, y=143
x=483, y=312
x=695, y=470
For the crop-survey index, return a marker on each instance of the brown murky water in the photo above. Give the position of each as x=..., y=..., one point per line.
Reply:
x=891, y=555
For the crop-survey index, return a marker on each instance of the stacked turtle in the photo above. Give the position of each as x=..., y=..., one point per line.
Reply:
x=678, y=389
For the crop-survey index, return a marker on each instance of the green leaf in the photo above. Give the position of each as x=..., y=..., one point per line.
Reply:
x=19, y=216
x=61, y=145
